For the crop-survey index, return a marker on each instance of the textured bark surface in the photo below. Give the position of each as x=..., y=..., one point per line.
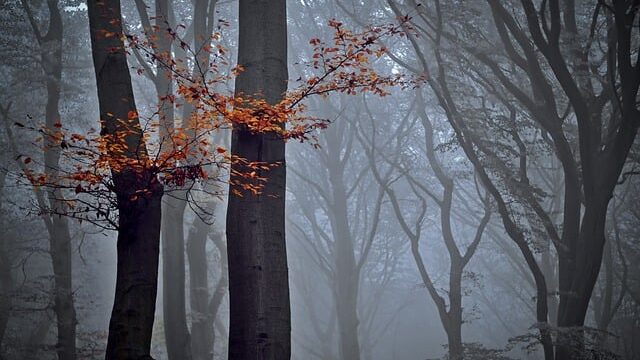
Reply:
x=260, y=319
x=133, y=311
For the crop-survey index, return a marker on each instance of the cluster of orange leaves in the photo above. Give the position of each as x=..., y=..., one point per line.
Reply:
x=183, y=155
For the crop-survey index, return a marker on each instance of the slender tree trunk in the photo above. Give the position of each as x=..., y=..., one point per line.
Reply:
x=346, y=277
x=202, y=330
x=454, y=326
x=176, y=331
x=173, y=280
x=138, y=245
x=60, y=248
x=260, y=318
x=58, y=227
x=59, y=236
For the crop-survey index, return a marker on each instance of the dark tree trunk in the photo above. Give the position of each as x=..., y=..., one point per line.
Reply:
x=133, y=312
x=134, y=306
x=454, y=325
x=260, y=319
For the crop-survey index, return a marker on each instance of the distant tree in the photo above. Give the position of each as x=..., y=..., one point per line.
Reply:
x=50, y=46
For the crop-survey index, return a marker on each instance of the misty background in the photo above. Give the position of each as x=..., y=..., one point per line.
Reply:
x=393, y=238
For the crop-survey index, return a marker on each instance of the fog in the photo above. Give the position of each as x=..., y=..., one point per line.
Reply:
x=473, y=195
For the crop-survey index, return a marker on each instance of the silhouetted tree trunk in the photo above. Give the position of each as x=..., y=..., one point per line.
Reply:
x=260, y=319
x=132, y=317
x=58, y=228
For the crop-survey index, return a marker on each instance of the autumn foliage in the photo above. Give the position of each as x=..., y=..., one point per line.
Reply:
x=184, y=156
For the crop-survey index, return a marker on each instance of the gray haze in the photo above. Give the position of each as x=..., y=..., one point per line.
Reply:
x=409, y=218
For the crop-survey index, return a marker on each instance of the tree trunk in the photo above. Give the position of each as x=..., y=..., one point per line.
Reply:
x=58, y=227
x=260, y=318
x=60, y=248
x=139, y=219
x=176, y=331
x=346, y=277
x=574, y=301
x=134, y=305
x=454, y=325
x=173, y=280
x=202, y=334
x=346, y=298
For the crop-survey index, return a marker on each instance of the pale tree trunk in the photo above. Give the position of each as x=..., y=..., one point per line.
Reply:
x=202, y=316
x=139, y=219
x=37, y=336
x=58, y=227
x=202, y=334
x=346, y=277
x=176, y=331
x=260, y=319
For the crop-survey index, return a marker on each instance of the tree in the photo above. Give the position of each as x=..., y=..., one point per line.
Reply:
x=260, y=323
x=50, y=46
x=137, y=189
x=450, y=310
x=563, y=94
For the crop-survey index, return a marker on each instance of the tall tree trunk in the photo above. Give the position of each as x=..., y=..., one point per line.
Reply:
x=176, y=330
x=139, y=219
x=59, y=237
x=202, y=334
x=202, y=330
x=454, y=325
x=260, y=318
x=58, y=227
x=346, y=277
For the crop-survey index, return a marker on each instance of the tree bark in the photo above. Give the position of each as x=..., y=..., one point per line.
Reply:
x=260, y=319
x=139, y=219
